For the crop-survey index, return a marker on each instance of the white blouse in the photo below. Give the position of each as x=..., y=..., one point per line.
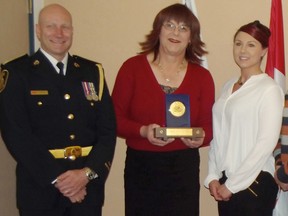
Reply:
x=246, y=128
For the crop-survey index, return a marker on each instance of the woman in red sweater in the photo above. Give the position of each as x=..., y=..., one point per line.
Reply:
x=162, y=176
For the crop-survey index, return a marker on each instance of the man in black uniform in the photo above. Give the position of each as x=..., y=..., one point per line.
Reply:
x=58, y=122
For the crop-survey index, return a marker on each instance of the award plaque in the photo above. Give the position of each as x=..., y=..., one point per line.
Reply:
x=178, y=119
x=165, y=133
x=177, y=110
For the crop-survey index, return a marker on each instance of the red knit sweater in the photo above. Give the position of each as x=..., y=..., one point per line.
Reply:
x=139, y=100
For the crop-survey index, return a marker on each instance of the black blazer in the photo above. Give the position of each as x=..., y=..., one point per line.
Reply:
x=34, y=108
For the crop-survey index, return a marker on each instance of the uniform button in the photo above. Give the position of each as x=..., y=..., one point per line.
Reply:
x=39, y=103
x=72, y=136
x=92, y=104
x=70, y=116
x=66, y=96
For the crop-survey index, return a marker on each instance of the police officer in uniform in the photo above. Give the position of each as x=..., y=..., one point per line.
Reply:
x=58, y=122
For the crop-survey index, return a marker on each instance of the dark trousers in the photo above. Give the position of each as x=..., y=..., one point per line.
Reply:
x=258, y=200
x=74, y=210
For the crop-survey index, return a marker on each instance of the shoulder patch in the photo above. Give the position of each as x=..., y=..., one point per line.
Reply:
x=3, y=79
x=15, y=63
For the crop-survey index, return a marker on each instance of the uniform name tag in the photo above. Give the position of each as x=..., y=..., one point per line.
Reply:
x=39, y=92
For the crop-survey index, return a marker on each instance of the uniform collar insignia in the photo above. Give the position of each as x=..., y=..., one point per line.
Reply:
x=36, y=62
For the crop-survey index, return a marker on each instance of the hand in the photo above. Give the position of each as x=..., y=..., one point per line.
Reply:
x=224, y=192
x=148, y=132
x=213, y=188
x=194, y=142
x=71, y=182
x=283, y=186
x=79, y=197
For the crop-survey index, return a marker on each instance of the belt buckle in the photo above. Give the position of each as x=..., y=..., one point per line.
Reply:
x=72, y=152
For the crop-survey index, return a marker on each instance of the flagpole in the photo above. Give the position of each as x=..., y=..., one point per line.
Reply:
x=192, y=6
x=31, y=26
x=34, y=7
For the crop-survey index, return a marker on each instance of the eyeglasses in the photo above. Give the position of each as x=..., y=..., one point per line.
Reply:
x=171, y=27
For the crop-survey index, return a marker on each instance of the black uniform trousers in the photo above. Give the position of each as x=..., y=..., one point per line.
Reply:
x=74, y=210
x=257, y=200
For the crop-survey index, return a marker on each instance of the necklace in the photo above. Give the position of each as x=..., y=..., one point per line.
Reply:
x=239, y=81
x=161, y=69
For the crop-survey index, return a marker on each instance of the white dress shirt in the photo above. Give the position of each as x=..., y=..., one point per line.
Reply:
x=246, y=128
x=55, y=61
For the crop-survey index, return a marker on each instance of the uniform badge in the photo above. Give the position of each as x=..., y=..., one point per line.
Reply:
x=36, y=62
x=89, y=91
x=76, y=65
x=3, y=79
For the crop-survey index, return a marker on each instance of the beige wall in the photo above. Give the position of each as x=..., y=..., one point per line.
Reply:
x=14, y=42
x=109, y=32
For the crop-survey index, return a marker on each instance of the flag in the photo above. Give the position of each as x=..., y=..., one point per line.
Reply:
x=275, y=66
x=192, y=6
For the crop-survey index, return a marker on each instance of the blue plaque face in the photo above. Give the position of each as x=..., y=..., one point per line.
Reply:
x=177, y=110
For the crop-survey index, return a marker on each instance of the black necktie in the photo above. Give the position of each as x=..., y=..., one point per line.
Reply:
x=60, y=65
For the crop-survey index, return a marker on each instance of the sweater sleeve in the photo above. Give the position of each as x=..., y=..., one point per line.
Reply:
x=122, y=95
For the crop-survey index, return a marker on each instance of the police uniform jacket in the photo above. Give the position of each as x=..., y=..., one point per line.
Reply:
x=42, y=110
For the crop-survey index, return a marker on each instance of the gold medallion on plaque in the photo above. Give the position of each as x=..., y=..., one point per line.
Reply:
x=177, y=108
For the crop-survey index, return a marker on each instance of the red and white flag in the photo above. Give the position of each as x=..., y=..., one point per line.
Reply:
x=275, y=66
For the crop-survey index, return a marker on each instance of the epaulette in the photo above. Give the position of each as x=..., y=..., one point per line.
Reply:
x=81, y=59
x=17, y=60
